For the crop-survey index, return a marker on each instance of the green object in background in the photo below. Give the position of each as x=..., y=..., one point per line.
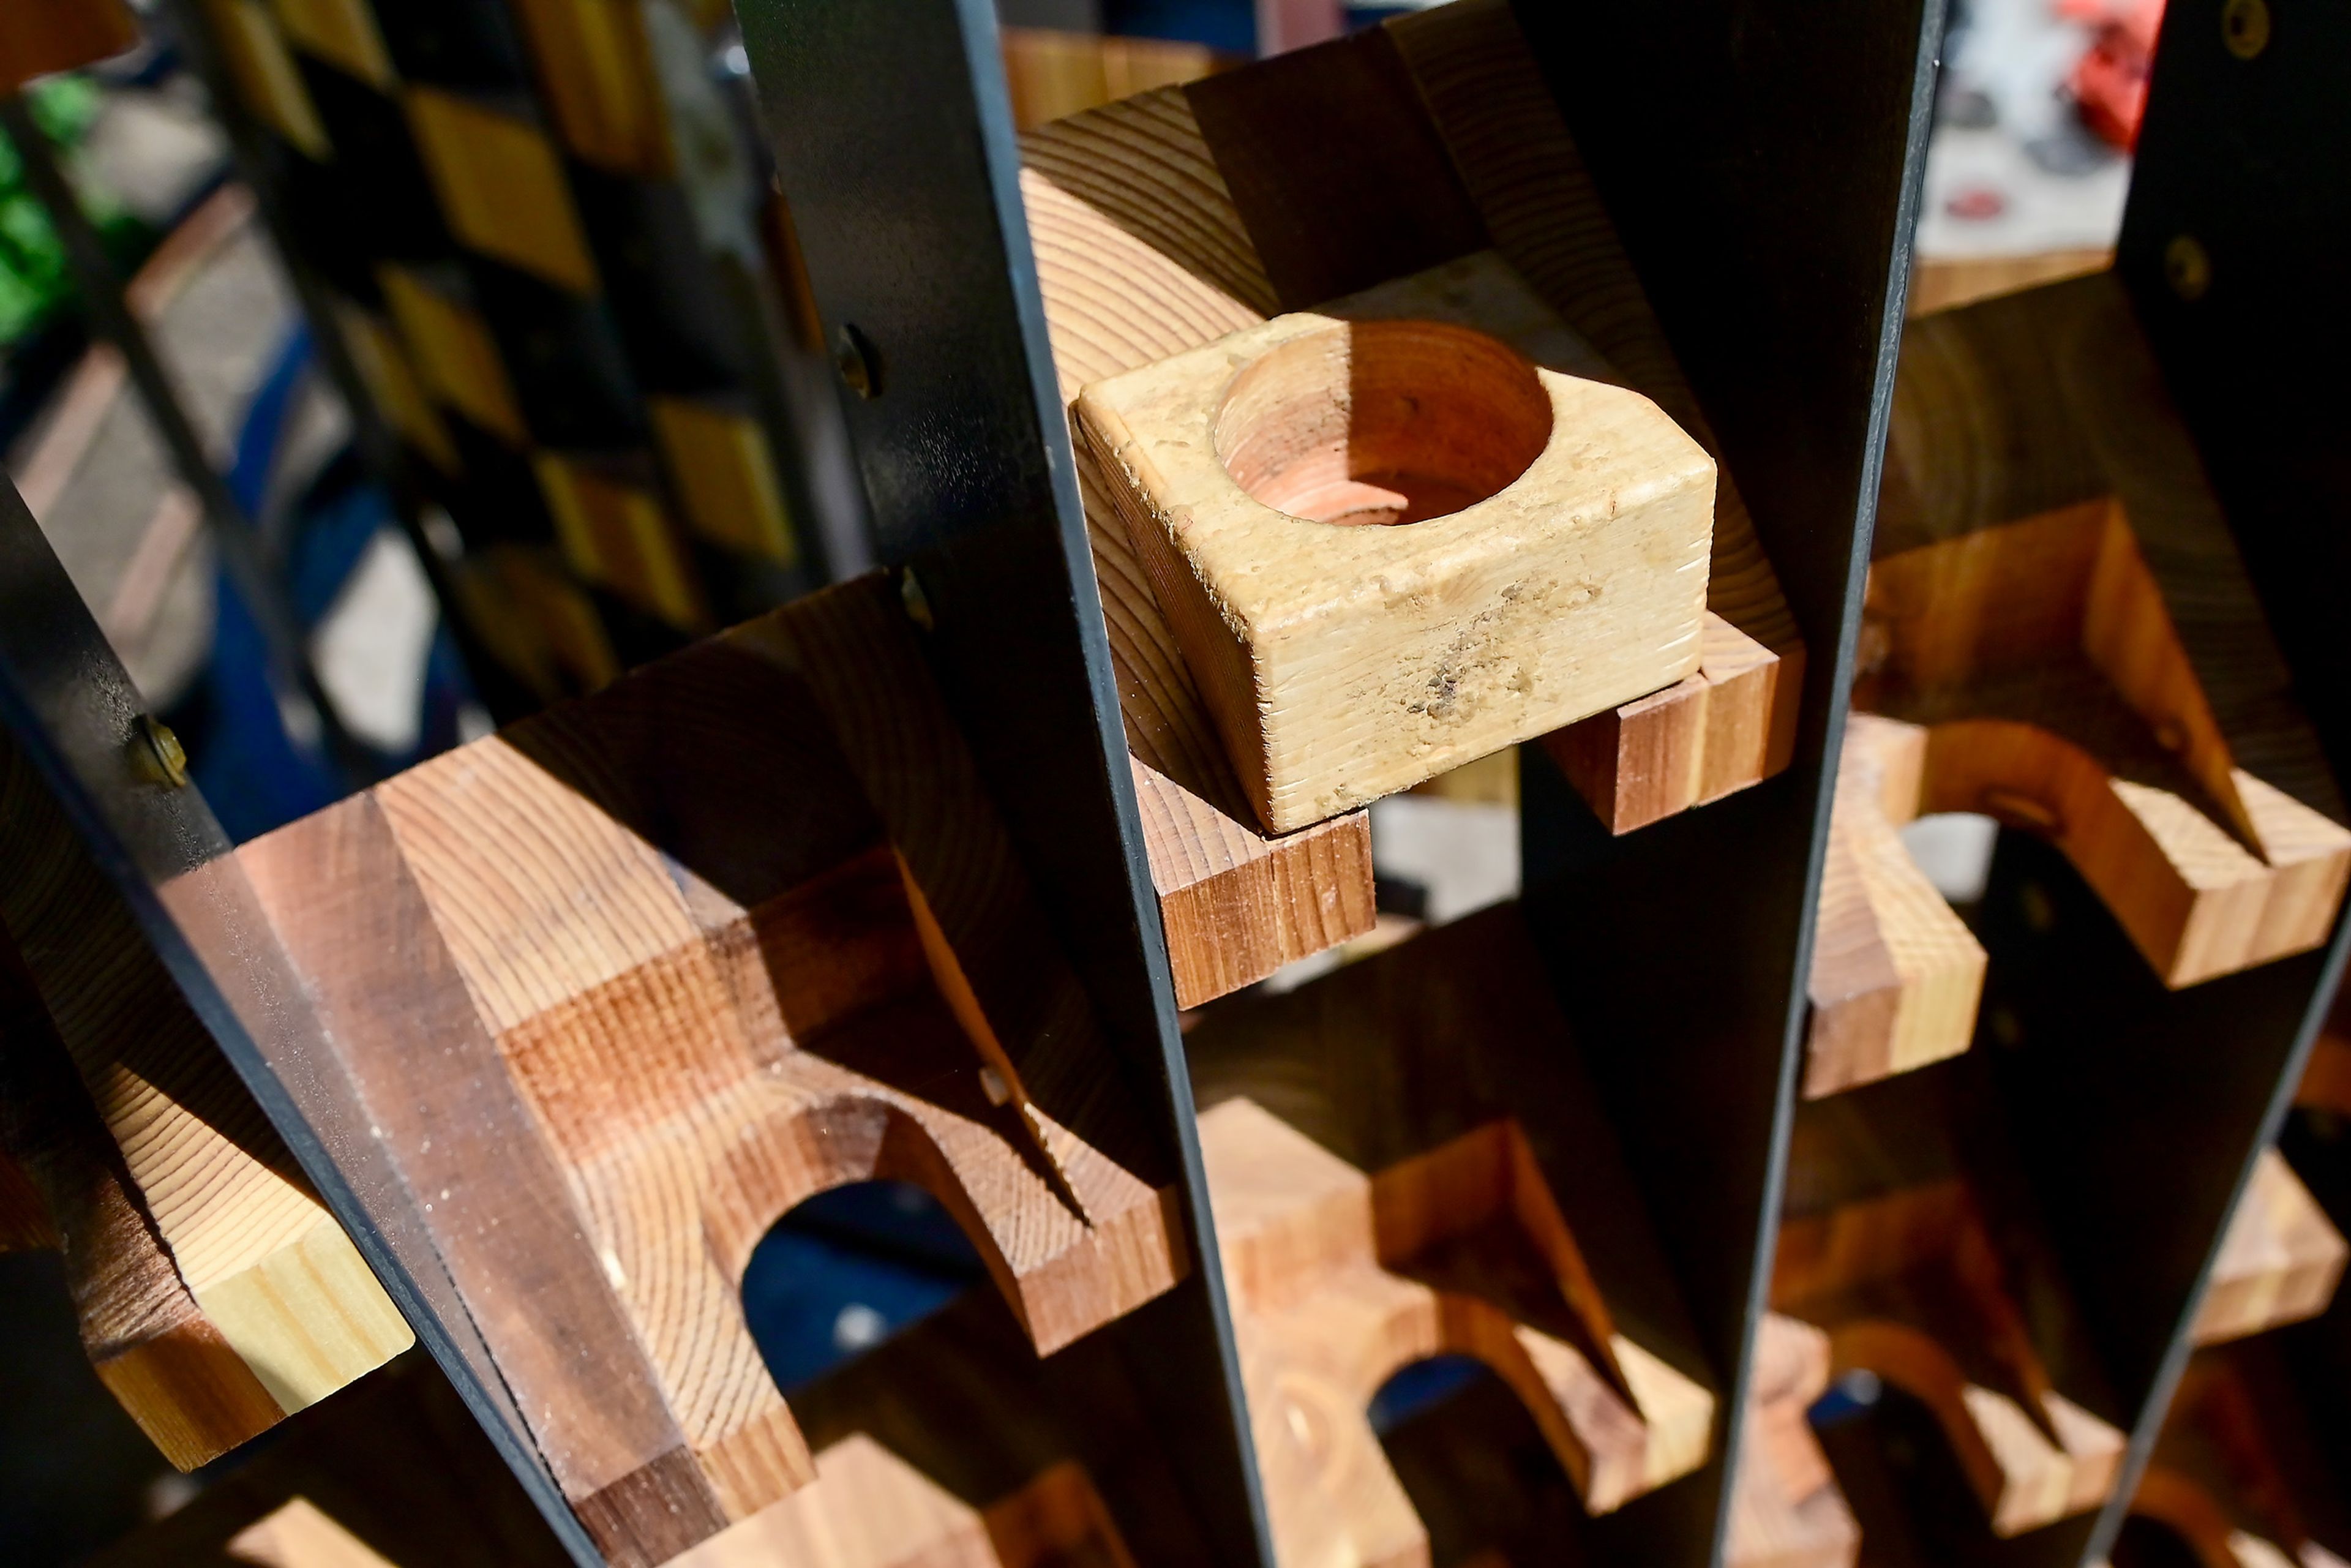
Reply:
x=33, y=280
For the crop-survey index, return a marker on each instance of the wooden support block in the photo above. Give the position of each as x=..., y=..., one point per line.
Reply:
x=1157, y=230
x=615, y=533
x=2235, y=1476
x=1895, y=974
x=452, y=350
x=344, y=34
x=2279, y=1263
x=1909, y=1285
x=216, y=1292
x=740, y=929
x=1389, y=542
x=1377, y=1204
x=254, y=52
x=39, y=37
x=724, y=474
x=596, y=71
x=500, y=185
x=2057, y=599
x=1785, y=1509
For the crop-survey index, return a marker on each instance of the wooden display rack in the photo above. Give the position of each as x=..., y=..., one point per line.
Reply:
x=523, y=1051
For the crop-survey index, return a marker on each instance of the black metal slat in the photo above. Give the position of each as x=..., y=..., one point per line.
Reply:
x=892, y=138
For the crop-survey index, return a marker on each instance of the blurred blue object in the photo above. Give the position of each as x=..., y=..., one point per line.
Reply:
x=1422, y=1386
x=847, y=1269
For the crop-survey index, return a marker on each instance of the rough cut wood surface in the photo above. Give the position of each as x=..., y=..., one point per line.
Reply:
x=216, y=1292
x=1403, y=530
x=1377, y=1205
x=740, y=928
x=1785, y=1509
x=2056, y=596
x=1908, y=1285
x=2279, y=1261
x=1895, y=974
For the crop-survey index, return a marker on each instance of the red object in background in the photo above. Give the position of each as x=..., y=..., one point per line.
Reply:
x=2109, y=81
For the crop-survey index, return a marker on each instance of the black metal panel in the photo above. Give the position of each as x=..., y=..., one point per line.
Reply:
x=1762, y=161
x=893, y=138
x=2231, y=247
x=68, y=703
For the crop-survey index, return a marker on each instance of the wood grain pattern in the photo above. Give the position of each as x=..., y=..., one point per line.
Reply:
x=39, y=37
x=1527, y=546
x=2060, y=695
x=1785, y=1509
x=740, y=929
x=261, y=1256
x=2279, y=1261
x=1907, y=1284
x=1376, y=1203
x=1895, y=974
x=1521, y=169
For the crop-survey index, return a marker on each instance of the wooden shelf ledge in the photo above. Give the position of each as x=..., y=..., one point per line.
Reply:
x=627, y=982
x=2279, y=1261
x=1909, y=1285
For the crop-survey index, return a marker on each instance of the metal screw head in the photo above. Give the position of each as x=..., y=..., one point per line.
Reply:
x=2187, y=267
x=917, y=603
x=859, y=365
x=2245, y=28
x=156, y=755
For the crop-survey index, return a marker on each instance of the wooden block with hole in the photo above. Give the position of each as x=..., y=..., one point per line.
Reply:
x=740, y=928
x=2280, y=1261
x=1909, y=1284
x=1895, y=974
x=1159, y=227
x=2057, y=602
x=1785, y=1509
x=215, y=1293
x=1377, y=1202
x=1392, y=544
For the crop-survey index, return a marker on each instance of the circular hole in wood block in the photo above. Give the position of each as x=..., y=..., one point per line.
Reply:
x=1383, y=422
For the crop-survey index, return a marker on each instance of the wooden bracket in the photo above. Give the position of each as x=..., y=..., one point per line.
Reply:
x=2057, y=601
x=2280, y=1262
x=2234, y=1474
x=1908, y=1285
x=1895, y=974
x=1377, y=1204
x=624, y=984
x=216, y=1292
x=1785, y=1509
x=1158, y=227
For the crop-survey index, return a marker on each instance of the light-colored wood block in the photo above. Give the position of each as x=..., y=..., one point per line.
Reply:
x=40, y=37
x=2279, y=1261
x=454, y=352
x=1896, y=975
x=215, y=1293
x=1909, y=1285
x=1388, y=546
x=501, y=185
x=725, y=477
x=1341, y=1277
x=740, y=929
x=1785, y=1509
